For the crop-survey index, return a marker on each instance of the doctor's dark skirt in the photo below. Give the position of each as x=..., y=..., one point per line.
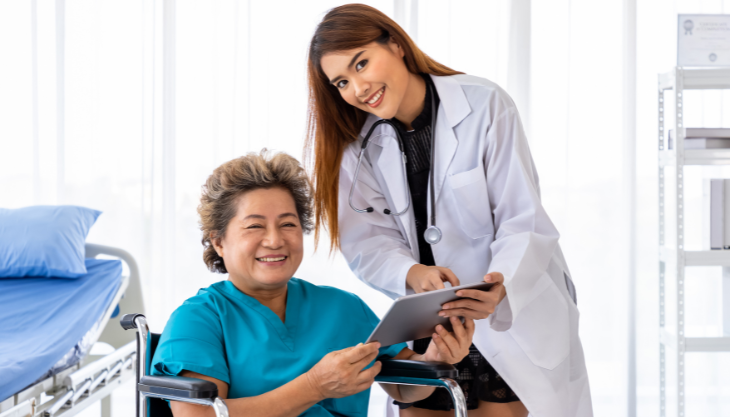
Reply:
x=477, y=379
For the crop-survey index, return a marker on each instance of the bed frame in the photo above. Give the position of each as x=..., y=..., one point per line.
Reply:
x=95, y=376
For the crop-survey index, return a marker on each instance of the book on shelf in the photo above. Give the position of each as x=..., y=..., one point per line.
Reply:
x=719, y=224
x=702, y=138
x=717, y=214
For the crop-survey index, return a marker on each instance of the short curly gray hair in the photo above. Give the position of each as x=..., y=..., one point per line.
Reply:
x=250, y=172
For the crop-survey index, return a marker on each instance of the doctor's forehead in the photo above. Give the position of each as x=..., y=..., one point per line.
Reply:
x=338, y=62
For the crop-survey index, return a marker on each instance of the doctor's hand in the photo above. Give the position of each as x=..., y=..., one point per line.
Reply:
x=340, y=373
x=477, y=304
x=450, y=347
x=422, y=278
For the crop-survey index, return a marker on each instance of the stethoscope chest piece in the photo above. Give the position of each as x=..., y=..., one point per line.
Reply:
x=432, y=235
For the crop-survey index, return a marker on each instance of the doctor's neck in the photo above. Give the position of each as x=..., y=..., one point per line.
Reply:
x=413, y=100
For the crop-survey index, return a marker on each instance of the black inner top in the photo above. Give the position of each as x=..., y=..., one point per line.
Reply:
x=417, y=144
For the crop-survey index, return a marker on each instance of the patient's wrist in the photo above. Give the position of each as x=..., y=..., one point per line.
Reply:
x=312, y=387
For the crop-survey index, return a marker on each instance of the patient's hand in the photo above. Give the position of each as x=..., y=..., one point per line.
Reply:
x=450, y=347
x=340, y=373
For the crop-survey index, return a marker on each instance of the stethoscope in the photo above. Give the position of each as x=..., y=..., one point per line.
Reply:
x=432, y=235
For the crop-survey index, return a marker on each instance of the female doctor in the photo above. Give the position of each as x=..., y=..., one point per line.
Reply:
x=444, y=189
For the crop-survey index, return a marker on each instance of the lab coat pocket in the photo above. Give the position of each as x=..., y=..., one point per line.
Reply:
x=473, y=211
x=542, y=328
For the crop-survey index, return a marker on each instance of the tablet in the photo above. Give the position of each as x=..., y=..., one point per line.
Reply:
x=416, y=316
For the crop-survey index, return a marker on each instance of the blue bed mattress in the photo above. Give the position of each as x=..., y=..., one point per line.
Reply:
x=43, y=319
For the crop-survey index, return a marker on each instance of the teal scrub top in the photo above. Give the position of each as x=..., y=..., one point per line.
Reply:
x=228, y=335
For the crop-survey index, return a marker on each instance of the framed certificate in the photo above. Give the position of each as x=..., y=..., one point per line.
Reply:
x=703, y=40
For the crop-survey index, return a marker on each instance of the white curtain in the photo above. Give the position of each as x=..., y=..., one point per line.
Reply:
x=127, y=107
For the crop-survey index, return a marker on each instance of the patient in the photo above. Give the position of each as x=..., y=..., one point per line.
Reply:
x=277, y=345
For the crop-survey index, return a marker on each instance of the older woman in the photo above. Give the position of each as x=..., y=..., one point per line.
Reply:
x=277, y=345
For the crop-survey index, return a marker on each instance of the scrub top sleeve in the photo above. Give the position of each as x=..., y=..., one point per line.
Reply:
x=192, y=341
x=386, y=352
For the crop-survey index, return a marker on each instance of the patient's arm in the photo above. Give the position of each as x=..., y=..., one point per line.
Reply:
x=290, y=399
x=339, y=374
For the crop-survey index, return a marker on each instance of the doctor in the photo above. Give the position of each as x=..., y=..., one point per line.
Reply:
x=463, y=207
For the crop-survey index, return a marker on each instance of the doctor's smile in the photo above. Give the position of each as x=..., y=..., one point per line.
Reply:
x=376, y=98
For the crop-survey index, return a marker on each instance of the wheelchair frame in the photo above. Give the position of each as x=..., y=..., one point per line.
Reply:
x=198, y=391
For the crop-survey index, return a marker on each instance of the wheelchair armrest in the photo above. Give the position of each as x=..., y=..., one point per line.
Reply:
x=178, y=386
x=417, y=369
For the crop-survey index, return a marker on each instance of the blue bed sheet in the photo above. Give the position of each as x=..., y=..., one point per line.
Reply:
x=41, y=319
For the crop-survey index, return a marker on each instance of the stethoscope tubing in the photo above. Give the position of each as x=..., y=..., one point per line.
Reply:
x=432, y=235
x=366, y=142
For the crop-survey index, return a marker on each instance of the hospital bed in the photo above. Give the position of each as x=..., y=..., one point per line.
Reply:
x=79, y=378
x=153, y=391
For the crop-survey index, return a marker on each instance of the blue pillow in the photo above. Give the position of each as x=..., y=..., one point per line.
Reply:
x=44, y=241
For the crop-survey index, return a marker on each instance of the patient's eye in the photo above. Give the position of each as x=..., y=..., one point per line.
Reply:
x=341, y=83
x=254, y=226
x=360, y=65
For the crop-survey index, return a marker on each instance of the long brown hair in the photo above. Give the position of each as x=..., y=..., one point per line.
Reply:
x=332, y=123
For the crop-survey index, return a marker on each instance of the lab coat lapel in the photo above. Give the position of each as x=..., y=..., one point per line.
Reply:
x=445, y=143
x=390, y=172
x=453, y=108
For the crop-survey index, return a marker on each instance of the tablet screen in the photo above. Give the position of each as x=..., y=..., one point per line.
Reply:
x=414, y=317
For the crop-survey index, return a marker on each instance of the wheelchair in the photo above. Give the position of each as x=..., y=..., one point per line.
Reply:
x=152, y=391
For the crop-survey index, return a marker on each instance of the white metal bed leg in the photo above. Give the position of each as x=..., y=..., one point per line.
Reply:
x=106, y=406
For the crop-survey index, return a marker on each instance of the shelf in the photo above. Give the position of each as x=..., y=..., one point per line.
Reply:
x=697, y=258
x=696, y=157
x=698, y=79
x=696, y=344
x=707, y=258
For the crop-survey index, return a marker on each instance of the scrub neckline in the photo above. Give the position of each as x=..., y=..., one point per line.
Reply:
x=287, y=328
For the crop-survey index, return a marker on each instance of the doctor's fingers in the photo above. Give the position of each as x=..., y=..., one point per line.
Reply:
x=430, y=281
x=450, y=338
x=448, y=275
x=447, y=345
x=494, y=277
x=470, y=329
x=473, y=294
x=486, y=303
x=460, y=330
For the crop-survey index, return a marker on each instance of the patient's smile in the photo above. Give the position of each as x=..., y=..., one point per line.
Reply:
x=272, y=259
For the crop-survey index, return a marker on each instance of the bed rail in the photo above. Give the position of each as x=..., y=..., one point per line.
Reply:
x=132, y=301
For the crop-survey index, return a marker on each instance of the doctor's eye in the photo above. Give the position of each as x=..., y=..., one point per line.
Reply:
x=341, y=84
x=361, y=64
x=289, y=225
x=254, y=226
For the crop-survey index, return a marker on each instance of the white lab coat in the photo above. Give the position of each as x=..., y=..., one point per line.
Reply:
x=489, y=211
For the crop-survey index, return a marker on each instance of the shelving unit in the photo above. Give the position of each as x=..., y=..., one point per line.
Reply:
x=679, y=80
